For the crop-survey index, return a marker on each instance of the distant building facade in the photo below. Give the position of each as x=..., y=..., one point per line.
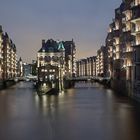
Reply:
x=86, y=67
x=27, y=69
x=70, y=58
x=34, y=67
x=81, y=68
x=20, y=68
x=102, y=62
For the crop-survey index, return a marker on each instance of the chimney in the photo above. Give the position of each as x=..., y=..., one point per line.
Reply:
x=0, y=28
x=43, y=42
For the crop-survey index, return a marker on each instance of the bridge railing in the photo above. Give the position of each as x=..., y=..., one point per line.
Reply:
x=96, y=78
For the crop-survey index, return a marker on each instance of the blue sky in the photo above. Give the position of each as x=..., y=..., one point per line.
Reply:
x=29, y=21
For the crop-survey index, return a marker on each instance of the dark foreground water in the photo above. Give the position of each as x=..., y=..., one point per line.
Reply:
x=88, y=112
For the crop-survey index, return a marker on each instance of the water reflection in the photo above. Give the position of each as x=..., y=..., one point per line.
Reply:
x=46, y=103
x=50, y=103
x=88, y=111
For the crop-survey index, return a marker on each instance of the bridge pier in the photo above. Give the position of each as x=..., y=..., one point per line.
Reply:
x=68, y=84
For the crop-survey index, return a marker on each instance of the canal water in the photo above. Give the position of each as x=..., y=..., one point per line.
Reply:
x=87, y=112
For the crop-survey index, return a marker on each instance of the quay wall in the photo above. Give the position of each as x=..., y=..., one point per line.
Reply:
x=6, y=84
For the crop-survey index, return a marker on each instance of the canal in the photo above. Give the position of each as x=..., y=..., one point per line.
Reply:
x=87, y=112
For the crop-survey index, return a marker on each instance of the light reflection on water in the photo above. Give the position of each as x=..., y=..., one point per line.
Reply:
x=53, y=102
x=87, y=112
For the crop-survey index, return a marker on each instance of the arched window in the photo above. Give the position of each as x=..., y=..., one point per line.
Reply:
x=41, y=58
x=47, y=58
x=55, y=58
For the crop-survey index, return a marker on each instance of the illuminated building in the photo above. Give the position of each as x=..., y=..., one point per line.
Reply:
x=118, y=42
x=20, y=68
x=86, y=67
x=70, y=61
x=9, y=58
x=123, y=43
x=51, y=61
x=126, y=39
x=52, y=52
x=58, y=53
x=1, y=52
x=81, y=67
x=91, y=66
x=111, y=51
x=135, y=31
x=101, y=62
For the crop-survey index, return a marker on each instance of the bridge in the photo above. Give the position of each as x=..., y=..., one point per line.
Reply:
x=89, y=78
x=70, y=81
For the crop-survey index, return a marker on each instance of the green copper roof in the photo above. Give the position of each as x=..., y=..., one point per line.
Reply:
x=61, y=46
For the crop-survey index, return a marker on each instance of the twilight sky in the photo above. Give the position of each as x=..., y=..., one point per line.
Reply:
x=29, y=21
